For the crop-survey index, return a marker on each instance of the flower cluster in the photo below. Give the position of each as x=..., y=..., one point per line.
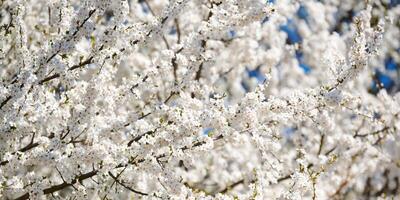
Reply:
x=199, y=99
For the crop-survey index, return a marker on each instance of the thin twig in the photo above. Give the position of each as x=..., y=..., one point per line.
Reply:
x=125, y=186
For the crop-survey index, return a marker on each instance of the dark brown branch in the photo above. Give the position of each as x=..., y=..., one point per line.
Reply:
x=284, y=178
x=137, y=84
x=65, y=135
x=115, y=180
x=49, y=78
x=166, y=41
x=82, y=177
x=5, y=101
x=54, y=76
x=86, y=62
x=198, y=72
x=170, y=96
x=162, y=22
x=28, y=147
x=321, y=143
x=175, y=68
x=57, y=75
x=56, y=53
x=374, y=133
x=178, y=31
x=52, y=56
x=330, y=151
x=232, y=186
x=125, y=186
x=141, y=117
x=63, y=185
x=74, y=34
x=137, y=138
x=84, y=21
x=199, y=143
x=175, y=65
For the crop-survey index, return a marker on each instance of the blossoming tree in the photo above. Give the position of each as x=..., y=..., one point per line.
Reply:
x=199, y=99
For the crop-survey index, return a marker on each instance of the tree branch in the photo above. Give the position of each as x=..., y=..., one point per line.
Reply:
x=63, y=185
x=125, y=186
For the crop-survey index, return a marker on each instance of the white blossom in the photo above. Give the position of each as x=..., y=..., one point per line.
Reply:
x=206, y=99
